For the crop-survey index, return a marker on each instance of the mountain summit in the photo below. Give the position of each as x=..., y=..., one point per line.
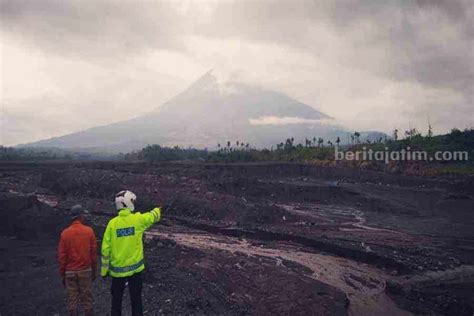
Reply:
x=206, y=113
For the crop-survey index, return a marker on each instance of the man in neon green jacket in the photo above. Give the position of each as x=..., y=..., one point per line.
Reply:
x=122, y=251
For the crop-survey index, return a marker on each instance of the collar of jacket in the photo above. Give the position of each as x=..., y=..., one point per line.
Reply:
x=124, y=212
x=76, y=222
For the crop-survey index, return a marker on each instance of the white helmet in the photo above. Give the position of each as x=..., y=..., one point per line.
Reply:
x=125, y=199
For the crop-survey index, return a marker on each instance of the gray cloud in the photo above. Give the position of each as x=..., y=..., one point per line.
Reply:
x=93, y=29
x=355, y=60
x=427, y=41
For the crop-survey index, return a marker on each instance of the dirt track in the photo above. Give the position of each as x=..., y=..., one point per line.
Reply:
x=252, y=238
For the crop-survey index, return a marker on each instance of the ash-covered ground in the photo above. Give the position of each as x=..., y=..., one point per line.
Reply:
x=257, y=238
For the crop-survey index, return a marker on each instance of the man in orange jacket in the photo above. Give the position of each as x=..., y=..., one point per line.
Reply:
x=77, y=256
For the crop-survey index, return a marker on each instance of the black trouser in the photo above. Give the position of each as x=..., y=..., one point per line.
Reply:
x=135, y=287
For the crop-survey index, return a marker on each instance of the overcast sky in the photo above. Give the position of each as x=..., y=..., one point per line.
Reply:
x=372, y=65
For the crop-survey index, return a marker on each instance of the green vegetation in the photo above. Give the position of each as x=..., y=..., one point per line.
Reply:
x=315, y=150
x=32, y=154
x=318, y=150
x=158, y=153
x=455, y=141
x=53, y=154
x=285, y=151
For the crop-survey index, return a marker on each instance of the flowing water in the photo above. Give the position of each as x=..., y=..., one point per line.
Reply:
x=363, y=285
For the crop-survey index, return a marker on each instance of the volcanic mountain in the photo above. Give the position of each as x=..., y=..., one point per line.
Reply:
x=208, y=113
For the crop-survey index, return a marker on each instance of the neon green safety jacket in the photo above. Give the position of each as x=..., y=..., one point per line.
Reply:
x=122, y=246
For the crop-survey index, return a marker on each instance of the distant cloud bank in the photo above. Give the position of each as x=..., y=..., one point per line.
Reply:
x=286, y=120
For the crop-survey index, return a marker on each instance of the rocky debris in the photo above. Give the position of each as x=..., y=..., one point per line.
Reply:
x=411, y=226
x=25, y=217
x=37, y=261
x=445, y=293
x=242, y=283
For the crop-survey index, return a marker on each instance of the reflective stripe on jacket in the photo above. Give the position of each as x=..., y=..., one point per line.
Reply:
x=122, y=245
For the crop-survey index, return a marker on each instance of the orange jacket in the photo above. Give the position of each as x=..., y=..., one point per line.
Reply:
x=77, y=248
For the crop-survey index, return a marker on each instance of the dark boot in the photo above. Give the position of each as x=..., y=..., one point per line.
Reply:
x=88, y=312
x=73, y=313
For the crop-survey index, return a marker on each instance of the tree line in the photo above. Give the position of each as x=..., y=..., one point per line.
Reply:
x=316, y=148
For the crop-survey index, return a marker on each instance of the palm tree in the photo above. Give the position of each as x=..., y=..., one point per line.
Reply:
x=412, y=132
x=320, y=142
x=357, y=137
x=395, y=134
